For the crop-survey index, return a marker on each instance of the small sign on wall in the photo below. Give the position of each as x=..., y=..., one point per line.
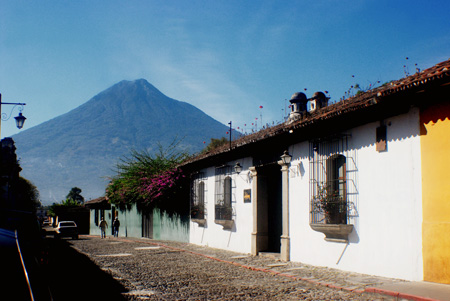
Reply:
x=247, y=196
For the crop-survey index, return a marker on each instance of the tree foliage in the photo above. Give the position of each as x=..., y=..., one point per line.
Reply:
x=215, y=143
x=73, y=199
x=147, y=179
x=27, y=195
x=75, y=196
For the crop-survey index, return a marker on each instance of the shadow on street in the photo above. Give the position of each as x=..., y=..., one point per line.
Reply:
x=73, y=276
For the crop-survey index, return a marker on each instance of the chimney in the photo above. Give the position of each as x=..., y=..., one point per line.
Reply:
x=318, y=101
x=298, y=106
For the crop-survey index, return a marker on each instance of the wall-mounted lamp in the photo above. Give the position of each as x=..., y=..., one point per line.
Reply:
x=19, y=119
x=237, y=167
x=286, y=158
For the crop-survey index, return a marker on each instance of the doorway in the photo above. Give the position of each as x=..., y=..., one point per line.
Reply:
x=270, y=206
x=147, y=224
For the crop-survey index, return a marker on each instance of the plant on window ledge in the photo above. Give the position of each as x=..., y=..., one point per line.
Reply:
x=223, y=212
x=197, y=212
x=331, y=204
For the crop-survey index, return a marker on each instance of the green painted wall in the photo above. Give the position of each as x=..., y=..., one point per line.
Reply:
x=169, y=228
x=93, y=229
x=130, y=223
x=164, y=227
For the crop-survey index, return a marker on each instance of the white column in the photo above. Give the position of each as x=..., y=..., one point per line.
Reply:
x=285, y=240
x=254, y=245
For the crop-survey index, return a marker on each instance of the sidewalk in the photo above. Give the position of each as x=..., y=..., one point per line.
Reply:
x=425, y=291
x=342, y=280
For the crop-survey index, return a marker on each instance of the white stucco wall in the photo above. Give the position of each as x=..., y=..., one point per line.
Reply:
x=387, y=236
x=237, y=239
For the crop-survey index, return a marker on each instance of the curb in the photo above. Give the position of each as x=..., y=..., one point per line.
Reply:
x=372, y=290
x=397, y=294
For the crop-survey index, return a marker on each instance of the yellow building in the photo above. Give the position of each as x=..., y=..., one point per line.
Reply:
x=435, y=148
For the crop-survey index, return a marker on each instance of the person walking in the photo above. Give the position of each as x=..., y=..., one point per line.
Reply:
x=116, y=225
x=103, y=225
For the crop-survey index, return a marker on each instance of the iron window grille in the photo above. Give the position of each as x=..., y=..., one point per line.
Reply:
x=333, y=188
x=223, y=193
x=198, y=196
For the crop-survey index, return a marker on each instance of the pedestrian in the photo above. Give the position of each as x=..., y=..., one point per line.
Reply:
x=116, y=226
x=103, y=225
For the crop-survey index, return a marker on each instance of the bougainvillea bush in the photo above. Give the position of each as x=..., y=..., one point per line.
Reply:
x=147, y=180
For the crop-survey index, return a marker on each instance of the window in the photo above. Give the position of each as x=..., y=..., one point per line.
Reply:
x=333, y=190
x=336, y=189
x=332, y=184
x=96, y=217
x=223, y=193
x=198, y=196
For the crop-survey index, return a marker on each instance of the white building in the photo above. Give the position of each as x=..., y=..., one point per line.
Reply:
x=349, y=197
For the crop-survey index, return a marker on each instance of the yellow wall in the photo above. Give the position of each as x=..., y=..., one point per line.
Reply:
x=435, y=147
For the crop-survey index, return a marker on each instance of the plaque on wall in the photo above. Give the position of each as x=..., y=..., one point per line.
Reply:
x=247, y=196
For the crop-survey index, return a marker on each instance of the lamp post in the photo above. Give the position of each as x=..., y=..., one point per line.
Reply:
x=20, y=120
x=230, y=133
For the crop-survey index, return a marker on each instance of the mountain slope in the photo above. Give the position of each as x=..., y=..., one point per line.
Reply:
x=81, y=147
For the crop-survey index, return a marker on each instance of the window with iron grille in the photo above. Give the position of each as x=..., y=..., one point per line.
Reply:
x=223, y=193
x=198, y=194
x=333, y=188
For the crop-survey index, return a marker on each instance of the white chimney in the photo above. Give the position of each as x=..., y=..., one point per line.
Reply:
x=298, y=106
x=318, y=101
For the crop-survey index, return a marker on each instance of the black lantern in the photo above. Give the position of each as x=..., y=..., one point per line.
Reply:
x=20, y=120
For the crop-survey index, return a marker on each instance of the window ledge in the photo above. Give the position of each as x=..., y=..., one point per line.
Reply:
x=200, y=221
x=334, y=232
x=226, y=224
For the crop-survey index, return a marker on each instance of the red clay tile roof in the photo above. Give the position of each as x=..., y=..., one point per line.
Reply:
x=95, y=201
x=439, y=72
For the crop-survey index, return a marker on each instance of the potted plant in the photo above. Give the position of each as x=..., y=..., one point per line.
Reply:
x=329, y=209
x=330, y=203
x=224, y=215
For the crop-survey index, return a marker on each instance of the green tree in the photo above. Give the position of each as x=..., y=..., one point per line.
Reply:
x=73, y=199
x=215, y=143
x=27, y=195
x=74, y=196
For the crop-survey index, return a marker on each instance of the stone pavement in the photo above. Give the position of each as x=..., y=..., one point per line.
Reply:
x=333, y=278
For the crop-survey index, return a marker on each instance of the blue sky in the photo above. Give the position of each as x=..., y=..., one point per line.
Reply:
x=227, y=58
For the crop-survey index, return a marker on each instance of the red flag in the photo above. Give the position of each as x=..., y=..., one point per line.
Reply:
x=260, y=107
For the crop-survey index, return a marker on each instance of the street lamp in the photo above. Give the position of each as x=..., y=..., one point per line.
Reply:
x=238, y=167
x=286, y=158
x=20, y=120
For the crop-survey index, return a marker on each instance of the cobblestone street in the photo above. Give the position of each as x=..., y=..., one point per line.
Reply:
x=155, y=270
